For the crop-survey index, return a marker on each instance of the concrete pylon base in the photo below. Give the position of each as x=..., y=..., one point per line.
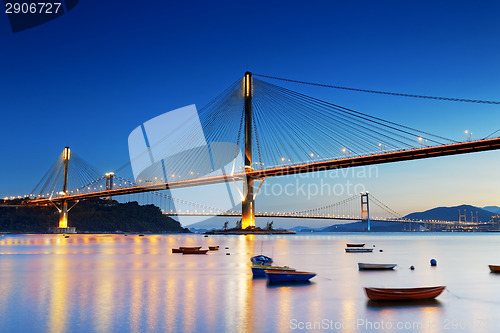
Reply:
x=57, y=230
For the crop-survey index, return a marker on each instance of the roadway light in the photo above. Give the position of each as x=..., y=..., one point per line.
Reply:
x=468, y=135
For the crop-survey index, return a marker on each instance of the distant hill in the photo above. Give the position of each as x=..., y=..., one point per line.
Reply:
x=304, y=229
x=452, y=213
x=201, y=231
x=493, y=209
x=358, y=227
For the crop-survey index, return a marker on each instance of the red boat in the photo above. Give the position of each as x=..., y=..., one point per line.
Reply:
x=194, y=251
x=494, y=268
x=403, y=294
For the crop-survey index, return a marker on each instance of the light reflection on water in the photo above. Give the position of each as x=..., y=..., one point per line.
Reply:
x=117, y=283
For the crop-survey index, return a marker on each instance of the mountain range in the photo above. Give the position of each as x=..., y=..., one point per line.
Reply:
x=439, y=213
x=452, y=213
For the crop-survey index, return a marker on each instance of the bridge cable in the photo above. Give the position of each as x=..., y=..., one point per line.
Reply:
x=382, y=92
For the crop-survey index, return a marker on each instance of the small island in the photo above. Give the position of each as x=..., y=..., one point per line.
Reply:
x=89, y=216
x=238, y=230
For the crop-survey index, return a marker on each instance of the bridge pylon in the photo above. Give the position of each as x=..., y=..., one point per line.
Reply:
x=109, y=183
x=63, y=211
x=248, y=203
x=365, y=209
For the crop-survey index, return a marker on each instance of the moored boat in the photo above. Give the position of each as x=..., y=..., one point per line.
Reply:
x=194, y=251
x=365, y=266
x=261, y=260
x=288, y=276
x=355, y=244
x=182, y=248
x=259, y=270
x=403, y=294
x=358, y=250
x=494, y=268
x=213, y=248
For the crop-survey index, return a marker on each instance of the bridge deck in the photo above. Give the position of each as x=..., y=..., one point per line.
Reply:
x=385, y=157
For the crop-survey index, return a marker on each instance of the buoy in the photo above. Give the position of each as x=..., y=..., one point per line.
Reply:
x=412, y=268
x=381, y=250
x=433, y=262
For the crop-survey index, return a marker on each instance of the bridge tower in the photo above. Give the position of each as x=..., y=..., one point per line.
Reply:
x=365, y=209
x=63, y=211
x=248, y=203
x=63, y=215
x=109, y=182
x=460, y=216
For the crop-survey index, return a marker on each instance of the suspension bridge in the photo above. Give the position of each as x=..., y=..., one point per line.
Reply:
x=279, y=131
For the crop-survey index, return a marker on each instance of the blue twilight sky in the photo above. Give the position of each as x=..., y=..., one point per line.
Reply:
x=89, y=77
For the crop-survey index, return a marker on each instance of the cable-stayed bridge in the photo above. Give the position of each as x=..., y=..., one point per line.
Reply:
x=273, y=130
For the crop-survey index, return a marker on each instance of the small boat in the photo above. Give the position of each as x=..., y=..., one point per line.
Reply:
x=355, y=245
x=259, y=270
x=357, y=250
x=182, y=248
x=261, y=260
x=365, y=267
x=213, y=248
x=403, y=294
x=288, y=276
x=194, y=251
x=494, y=268
x=141, y=235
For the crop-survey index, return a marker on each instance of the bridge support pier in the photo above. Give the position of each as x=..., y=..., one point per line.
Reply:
x=63, y=215
x=248, y=203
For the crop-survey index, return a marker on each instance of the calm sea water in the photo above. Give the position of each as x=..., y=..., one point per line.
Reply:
x=117, y=283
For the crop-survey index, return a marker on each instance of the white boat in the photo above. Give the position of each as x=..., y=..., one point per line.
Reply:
x=358, y=250
x=365, y=266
